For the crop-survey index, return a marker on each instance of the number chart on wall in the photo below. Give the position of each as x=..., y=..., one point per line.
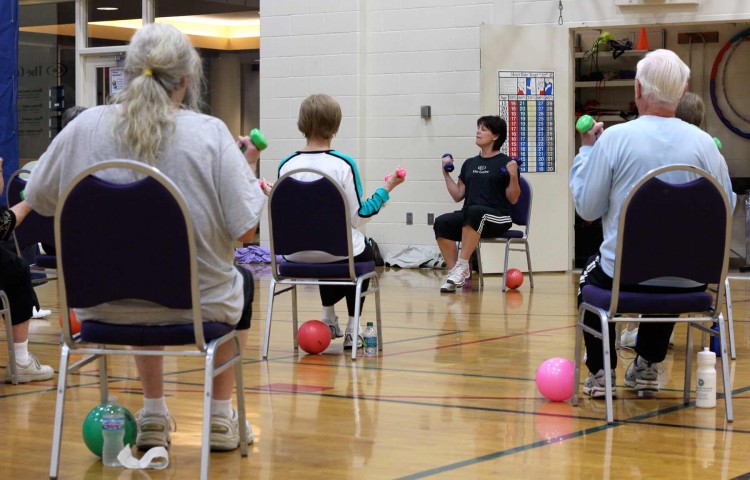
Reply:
x=527, y=103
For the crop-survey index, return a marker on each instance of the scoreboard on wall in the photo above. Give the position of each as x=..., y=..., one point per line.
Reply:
x=527, y=103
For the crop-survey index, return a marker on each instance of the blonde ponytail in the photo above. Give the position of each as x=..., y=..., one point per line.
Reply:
x=158, y=60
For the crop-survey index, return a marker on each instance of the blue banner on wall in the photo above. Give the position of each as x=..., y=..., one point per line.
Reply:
x=8, y=87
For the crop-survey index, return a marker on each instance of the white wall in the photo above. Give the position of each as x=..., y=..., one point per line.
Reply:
x=596, y=13
x=383, y=59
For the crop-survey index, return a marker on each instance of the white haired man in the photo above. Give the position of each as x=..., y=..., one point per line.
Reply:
x=608, y=164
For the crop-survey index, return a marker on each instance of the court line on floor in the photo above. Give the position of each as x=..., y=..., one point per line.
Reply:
x=503, y=453
x=632, y=420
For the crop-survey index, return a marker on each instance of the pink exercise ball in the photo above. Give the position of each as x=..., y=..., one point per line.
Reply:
x=554, y=379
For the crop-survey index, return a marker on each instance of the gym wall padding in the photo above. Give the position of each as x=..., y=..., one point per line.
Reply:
x=8, y=87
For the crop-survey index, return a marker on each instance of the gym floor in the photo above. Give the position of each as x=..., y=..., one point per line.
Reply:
x=452, y=396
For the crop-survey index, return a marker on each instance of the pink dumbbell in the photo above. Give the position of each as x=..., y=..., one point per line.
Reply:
x=400, y=172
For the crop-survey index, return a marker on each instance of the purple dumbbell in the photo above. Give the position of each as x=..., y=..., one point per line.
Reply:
x=448, y=167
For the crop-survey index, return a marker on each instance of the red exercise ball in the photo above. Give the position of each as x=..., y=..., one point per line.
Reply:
x=75, y=325
x=313, y=336
x=513, y=278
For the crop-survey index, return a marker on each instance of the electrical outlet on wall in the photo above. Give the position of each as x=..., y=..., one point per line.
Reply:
x=409, y=218
x=430, y=219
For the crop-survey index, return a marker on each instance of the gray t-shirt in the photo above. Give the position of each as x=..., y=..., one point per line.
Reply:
x=204, y=162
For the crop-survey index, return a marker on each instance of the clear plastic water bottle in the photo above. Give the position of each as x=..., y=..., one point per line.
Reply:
x=113, y=432
x=370, y=340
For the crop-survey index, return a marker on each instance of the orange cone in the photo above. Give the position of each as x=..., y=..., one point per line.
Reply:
x=642, y=40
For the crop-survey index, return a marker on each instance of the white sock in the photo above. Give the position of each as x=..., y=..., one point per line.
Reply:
x=155, y=406
x=22, y=352
x=463, y=262
x=329, y=314
x=221, y=407
x=350, y=325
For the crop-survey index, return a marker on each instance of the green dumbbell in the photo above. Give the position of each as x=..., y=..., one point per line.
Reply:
x=258, y=139
x=585, y=123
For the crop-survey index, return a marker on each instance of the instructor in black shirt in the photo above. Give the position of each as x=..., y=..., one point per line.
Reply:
x=488, y=185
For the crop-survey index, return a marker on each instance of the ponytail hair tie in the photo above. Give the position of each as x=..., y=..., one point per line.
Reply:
x=148, y=72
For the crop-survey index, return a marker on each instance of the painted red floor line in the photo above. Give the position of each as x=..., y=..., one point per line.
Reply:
x=482, y=340
x=291, y=387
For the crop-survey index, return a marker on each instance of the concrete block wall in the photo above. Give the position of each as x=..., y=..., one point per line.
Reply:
x=382, y=61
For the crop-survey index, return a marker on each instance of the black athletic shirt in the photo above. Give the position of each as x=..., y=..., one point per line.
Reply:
x=485, y=183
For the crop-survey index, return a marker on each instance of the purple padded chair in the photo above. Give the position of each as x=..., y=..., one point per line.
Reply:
x=657, y=237
x=520, y=213
x=34, y=229
x=5, y=313
x=143, y=233
x=314, y=215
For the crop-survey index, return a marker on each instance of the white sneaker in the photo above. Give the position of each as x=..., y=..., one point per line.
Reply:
x=448, y=287
x=458, y=274
x=154, y=430
x=32, y=371
x=41, y=313
x=349, y=338
x=594, y=385
x=225, y=432
x=671, y=339
x=333, y=325
x=628, y=338
x=642, y=375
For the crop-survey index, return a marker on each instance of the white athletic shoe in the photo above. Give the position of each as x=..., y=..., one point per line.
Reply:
x=41, y=313
x=458, y=274
x=628, y=337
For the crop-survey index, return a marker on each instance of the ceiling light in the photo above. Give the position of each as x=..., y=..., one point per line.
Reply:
x=109, y=9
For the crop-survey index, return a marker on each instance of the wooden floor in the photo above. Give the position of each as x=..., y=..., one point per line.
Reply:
x=452, y=396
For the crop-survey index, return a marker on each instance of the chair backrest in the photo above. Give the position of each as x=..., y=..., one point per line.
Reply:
x=520, y=213
x=126, y=241
x=308, y=215
x=674, y=230
x=35, y=228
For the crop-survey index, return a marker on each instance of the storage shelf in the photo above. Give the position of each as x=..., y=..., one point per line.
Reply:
x=626, y=53
x=610, y=118
x=605, y=84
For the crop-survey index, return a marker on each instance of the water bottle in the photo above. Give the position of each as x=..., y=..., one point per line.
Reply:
x=714, y=340
x=370, y=340
x=705, y=391
x=113, y=432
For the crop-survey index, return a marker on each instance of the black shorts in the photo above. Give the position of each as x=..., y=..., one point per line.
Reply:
x=487, y=222
x=248, y=290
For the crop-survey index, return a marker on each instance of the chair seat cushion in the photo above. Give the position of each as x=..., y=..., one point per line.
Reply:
x=505, y=236
x=512, y=234
x=649, y=303
x=46, y=261
x=323, y=270
x=95, y=331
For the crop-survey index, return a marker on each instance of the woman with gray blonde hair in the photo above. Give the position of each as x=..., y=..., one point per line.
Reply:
x=155, y=120
x=160, y=63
